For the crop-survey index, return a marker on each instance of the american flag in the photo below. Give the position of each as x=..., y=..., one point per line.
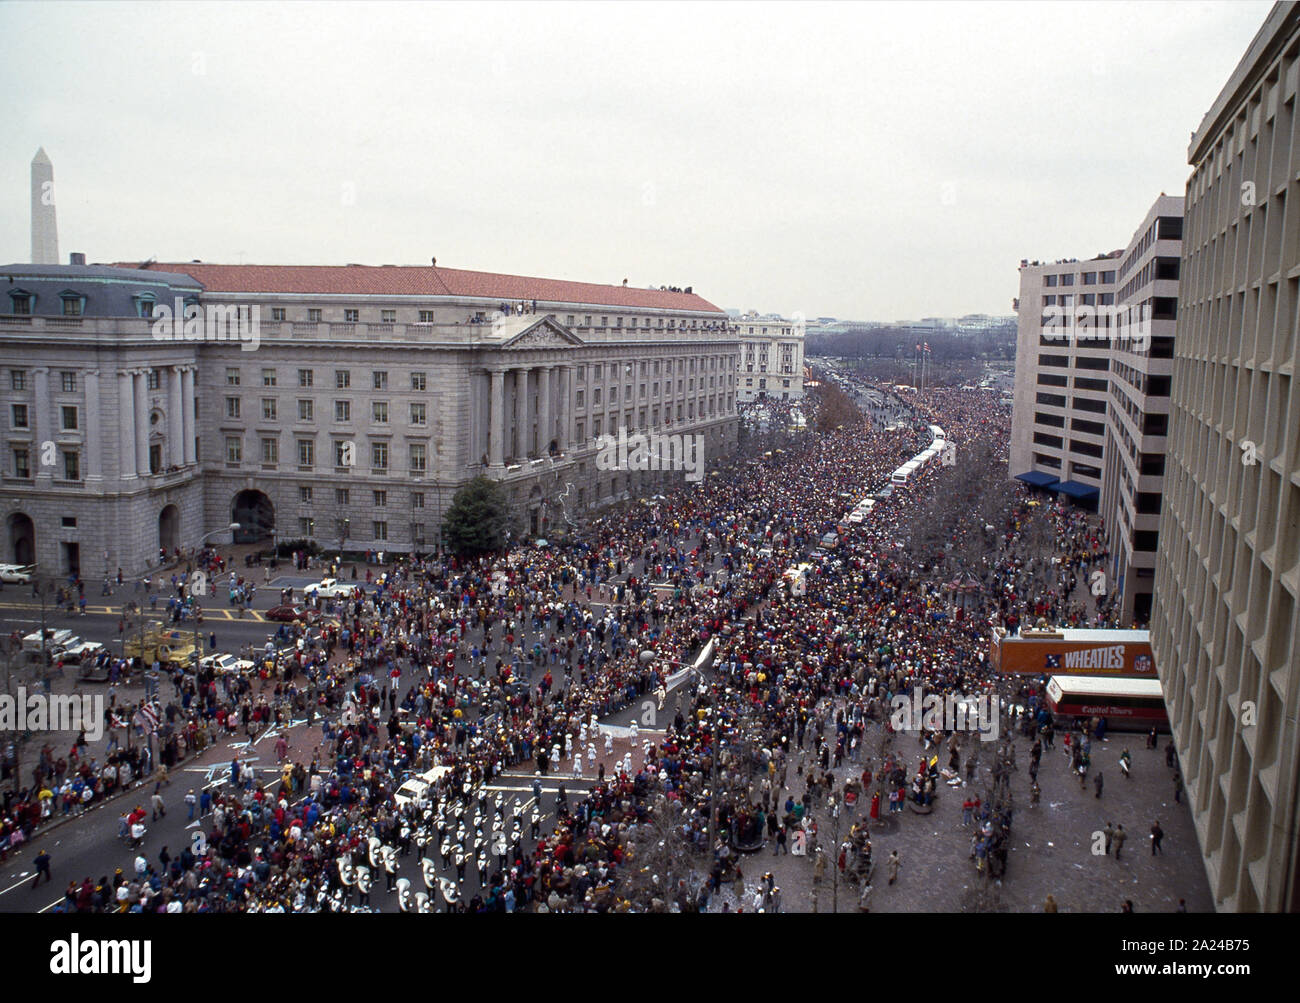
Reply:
x=1053, y=661
x=147, y=717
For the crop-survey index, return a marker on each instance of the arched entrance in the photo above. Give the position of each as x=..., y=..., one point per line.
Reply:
x=169, y=528
x=255, y=514
x=22, y=538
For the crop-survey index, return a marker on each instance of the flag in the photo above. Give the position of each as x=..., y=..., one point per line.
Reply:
x=147, y=718
x=927, y=346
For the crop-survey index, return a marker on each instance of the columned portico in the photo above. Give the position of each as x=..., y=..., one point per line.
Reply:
x=497, y=405
x=41, y=422
x=175, y=418
x=522, y=417
x=187, y=419
x=126, y=424
x=566, y=409
x=94, y=436
x=546, y=428
x=141, y=422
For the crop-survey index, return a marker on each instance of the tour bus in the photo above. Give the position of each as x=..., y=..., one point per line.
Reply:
x=1091, y=652
x=901, y=475
x=1137, y=704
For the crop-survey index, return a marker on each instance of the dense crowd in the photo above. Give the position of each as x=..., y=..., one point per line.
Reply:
x=508, y=663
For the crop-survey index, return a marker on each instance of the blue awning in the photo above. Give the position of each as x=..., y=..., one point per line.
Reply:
x=1037, y=478
x=1074, y=489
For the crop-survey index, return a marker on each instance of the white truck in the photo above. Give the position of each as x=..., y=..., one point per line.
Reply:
x=330, y=588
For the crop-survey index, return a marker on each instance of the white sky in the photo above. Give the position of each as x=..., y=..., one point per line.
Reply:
x=869, y=161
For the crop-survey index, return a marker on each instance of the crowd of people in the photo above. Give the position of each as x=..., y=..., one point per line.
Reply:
x=509, y=662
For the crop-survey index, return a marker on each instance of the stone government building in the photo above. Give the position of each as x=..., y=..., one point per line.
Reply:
x=367, y=396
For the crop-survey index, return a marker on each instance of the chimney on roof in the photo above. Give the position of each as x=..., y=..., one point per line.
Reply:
x=625, y=283
x=76, y=258
x=434, y=262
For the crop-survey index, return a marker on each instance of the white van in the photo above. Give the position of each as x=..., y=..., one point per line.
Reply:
x=415, y=788
x=55, y=641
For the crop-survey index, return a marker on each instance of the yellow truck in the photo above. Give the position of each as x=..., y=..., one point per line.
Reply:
x=161, y=645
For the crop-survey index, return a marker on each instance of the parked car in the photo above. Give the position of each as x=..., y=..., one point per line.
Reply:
x=226, y=664
x=19, y=574
x=287, y=614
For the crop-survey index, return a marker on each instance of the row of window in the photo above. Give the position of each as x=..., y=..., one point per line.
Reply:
x=68, y=414
x=67, y=380
x=1085, y=299
x=1088, y=279
x=418, y=411
x=1076, y=445
x=647, y=367
x=22, y=302
x=70, y=463
x=342, y=378
x=599, y=396
x=345, y=454
x=343, y=497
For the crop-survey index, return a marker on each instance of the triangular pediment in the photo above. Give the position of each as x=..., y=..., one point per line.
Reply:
x=530, y=331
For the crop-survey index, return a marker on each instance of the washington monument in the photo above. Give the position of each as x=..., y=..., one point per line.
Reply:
x=45, y=231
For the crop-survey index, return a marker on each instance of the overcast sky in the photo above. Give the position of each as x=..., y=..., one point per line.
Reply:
x=876, y=161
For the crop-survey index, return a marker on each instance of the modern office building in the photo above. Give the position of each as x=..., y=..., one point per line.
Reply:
x=153, y=406
x=1226, y=617
x=1137, y=421
x=1062, y=382
x=771, y=357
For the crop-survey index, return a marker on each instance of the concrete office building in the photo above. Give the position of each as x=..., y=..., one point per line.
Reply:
x=1226, y=619
x=366, y=398
x=1138, y=414
x=1062, y=380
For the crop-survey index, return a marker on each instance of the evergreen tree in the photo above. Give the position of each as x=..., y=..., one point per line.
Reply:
x=476, y=521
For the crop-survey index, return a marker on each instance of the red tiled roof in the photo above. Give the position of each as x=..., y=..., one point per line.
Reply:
x=423, y=280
